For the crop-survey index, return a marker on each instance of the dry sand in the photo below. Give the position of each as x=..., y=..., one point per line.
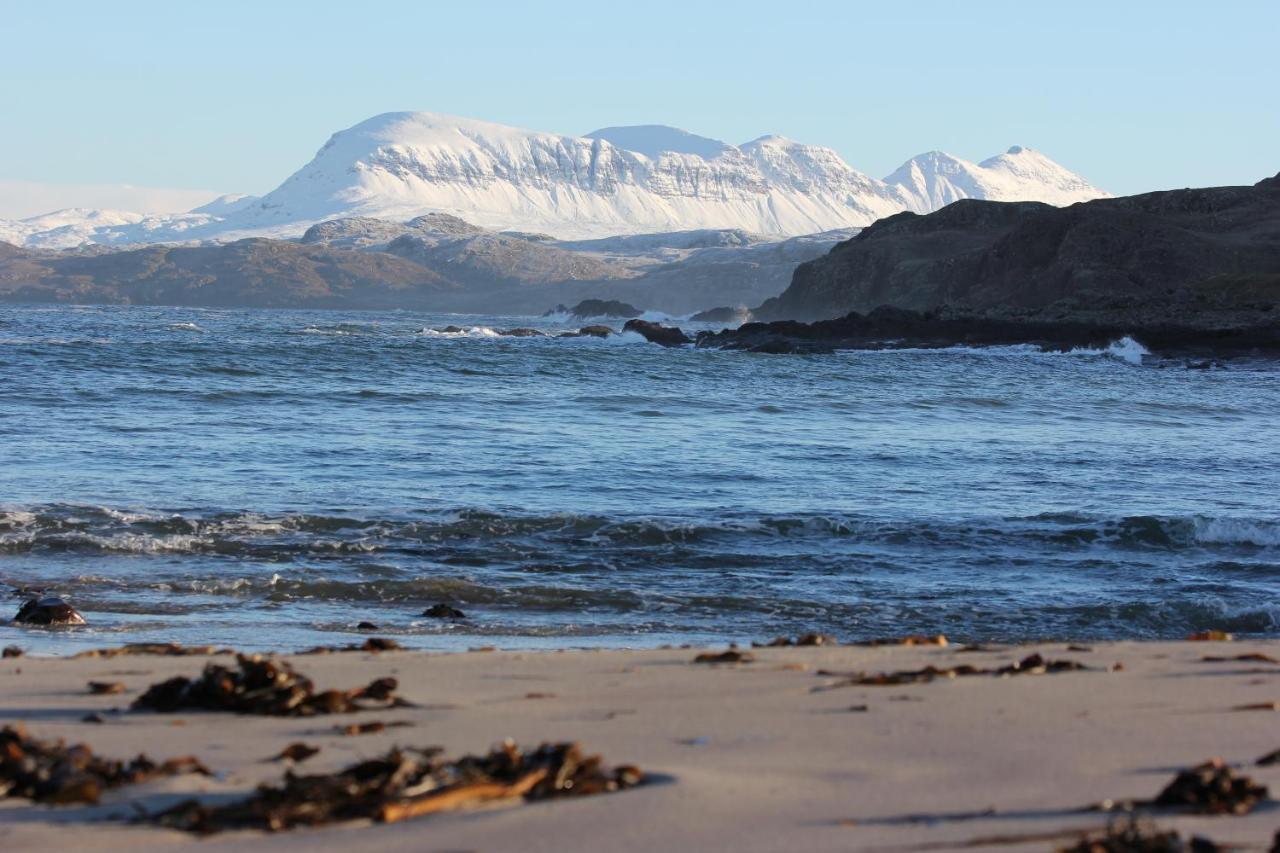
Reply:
x=748, y=757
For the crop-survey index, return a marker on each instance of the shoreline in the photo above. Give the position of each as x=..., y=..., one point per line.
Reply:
x=755, y=756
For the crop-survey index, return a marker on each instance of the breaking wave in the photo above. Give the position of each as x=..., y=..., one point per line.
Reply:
x=89, y=529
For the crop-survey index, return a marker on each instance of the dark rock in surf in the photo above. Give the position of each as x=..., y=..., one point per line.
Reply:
x=443, y=611
x=48, y=611
x=887, y=328
x=522, y=333
x=588, y=332
x=656, y=333
x=366, y=626
x=605, y=308
x=12, y=652
x=741, y=314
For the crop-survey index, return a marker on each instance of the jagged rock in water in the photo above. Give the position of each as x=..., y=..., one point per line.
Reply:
x=48, y=611
x=444, y=611
x=588, y=332
x=604, y=308
x=887, y=327
x=656, y=333
x=740, y=314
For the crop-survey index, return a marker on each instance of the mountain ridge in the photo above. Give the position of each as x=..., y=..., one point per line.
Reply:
x=401, y=165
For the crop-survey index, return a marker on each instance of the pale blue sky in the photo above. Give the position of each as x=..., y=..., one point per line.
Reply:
x=233, y=96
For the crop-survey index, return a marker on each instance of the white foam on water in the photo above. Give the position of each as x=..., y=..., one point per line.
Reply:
x=187, y=327
x=1237, y=531
x=466, y=332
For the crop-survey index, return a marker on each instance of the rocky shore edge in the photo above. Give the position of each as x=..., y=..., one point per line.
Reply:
x=897, y=328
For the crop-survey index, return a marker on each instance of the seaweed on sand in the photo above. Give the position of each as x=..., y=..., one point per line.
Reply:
x=1030, y=665
x=52, y=772
x=264, y=685
x=408, y=783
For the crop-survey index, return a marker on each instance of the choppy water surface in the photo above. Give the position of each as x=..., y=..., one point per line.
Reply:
x=270, y=479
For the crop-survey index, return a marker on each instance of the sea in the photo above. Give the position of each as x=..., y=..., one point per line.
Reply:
x=271, y=479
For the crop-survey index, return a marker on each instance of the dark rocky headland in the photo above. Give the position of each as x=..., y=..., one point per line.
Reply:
x=1195, y=270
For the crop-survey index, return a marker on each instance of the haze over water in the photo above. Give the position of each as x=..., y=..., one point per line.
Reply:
x=268, y=479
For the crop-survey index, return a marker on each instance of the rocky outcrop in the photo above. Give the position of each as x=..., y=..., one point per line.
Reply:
x=1180, y=248
x=604, y=308
x=248, y=273
x=740, y=314
x=896, y=328
x=435, y=263
x=656, y=333
x=588, y=332
x=489, y=260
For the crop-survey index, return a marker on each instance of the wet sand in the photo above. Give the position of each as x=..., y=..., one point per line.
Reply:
x=745, y=757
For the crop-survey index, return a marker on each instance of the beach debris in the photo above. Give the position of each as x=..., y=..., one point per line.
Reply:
x=1075, y=647
x=1258, y=706
x=161, y=649
x=905, y=676
x=1139, y=835
x=1251, y=657
x=444, y=611
x=1269, y=759
x=95, y=718
x=1211, y=637
x=909, y=640
x=12, y=652
x=52, y=772
x=105, y=688
x=1212, y=788
x=730, y=656
x=1030, y=665
x=371, y=728
x=811, y=639
x=48, y=611
x=263, y=685
x=408, y=783
x=296, y=752
x=373, y=644
x=1037, y=665
x=1208, y=788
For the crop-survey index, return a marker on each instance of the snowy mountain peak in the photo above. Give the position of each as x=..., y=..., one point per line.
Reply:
x=619, y=180
x=654, y=140
x=935, y=179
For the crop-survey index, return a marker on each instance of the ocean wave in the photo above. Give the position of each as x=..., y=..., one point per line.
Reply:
x=89, y=529
x=460, y=332
x=1126, y=349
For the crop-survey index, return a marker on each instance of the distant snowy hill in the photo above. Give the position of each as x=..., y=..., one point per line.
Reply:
x=936, y=179
x=615, y=181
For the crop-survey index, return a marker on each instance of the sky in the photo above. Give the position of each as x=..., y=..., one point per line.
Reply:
x=164, y=104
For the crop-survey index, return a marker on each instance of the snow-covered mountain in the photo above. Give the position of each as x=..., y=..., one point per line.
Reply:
x=622, y=180
x=936, y=179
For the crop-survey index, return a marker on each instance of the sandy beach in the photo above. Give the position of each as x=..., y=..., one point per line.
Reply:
x=767, y=755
